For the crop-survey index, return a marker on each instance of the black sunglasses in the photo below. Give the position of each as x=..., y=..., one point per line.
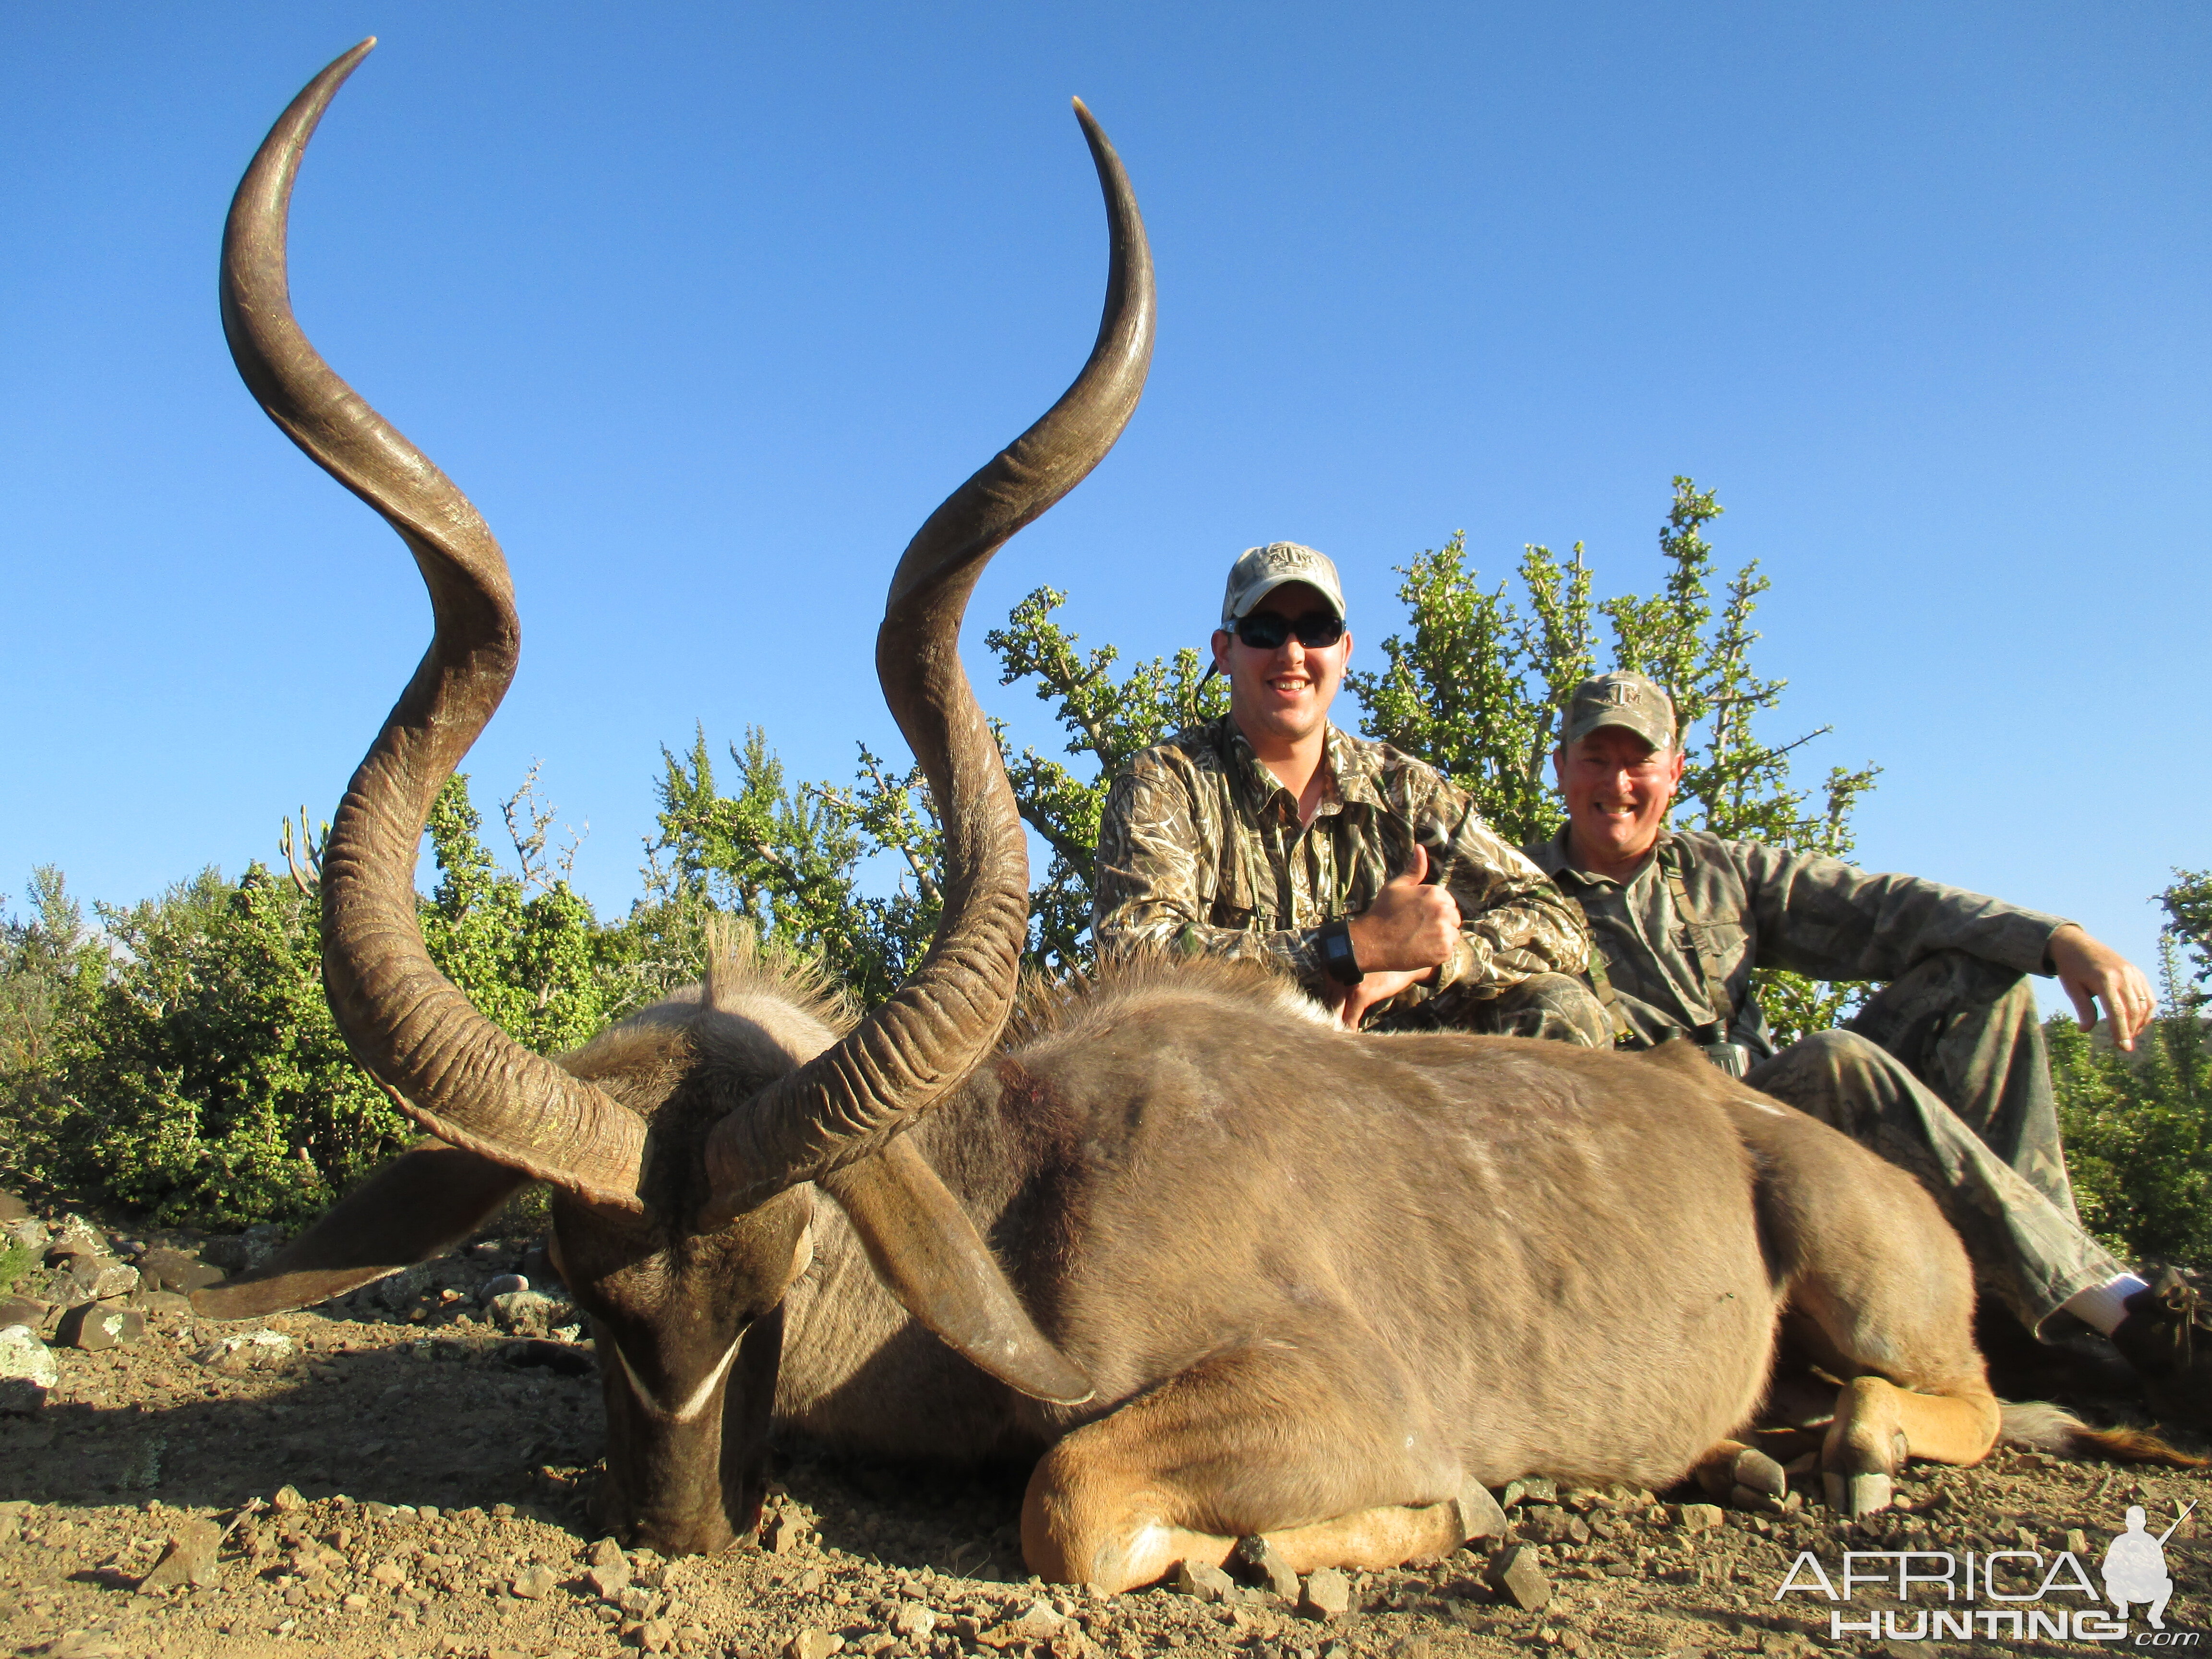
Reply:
x=1263, y=631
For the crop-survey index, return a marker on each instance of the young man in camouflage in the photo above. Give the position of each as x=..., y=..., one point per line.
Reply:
x=1366, y=875
x=1943, y=1072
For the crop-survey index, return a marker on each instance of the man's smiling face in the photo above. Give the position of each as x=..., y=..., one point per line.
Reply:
x=1617, y=788
x=1282, y=696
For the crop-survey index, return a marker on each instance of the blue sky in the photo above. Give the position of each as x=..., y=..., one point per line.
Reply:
x=707, y=307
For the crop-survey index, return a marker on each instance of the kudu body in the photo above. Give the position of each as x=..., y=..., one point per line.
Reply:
x=1223, y=1268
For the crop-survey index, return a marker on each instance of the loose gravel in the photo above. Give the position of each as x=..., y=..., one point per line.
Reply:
x=398, y=1475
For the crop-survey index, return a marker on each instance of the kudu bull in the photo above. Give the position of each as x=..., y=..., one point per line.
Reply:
x=1224, y=1268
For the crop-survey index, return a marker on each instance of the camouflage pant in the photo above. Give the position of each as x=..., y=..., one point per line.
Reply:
x=1943, y=1074
x=1551, y=1005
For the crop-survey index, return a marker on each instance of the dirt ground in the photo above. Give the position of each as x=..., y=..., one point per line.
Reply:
x=396, y=1475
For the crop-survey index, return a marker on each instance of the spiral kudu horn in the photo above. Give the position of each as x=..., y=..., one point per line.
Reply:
x=452, y=1070
x=915, y=1050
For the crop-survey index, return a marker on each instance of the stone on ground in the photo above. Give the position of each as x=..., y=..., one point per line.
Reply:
x=1519, y=1577
x=97, y=1325
x=1328, y=1593
x=189, y=1560
x=1267, y=1562
x=1206, y=1583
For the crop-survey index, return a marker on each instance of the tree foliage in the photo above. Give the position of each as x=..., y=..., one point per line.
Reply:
x=2138, y=1128
x=178, y=1058
x=1479, y=686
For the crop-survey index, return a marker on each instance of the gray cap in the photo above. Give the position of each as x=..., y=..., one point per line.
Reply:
x=1627, y=701
x=1259, y=571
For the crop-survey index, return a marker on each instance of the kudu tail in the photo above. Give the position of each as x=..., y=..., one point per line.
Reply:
x=2038, y=1425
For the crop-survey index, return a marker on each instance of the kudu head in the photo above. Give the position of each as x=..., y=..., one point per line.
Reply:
x=686, y=1147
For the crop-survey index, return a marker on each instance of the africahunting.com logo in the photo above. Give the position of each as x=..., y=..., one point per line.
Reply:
x=2001, y=1595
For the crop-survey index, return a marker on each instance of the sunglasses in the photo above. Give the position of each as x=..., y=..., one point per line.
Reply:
x=1263, y=631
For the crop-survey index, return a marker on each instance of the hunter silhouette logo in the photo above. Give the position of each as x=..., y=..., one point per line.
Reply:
x=2135, y=1568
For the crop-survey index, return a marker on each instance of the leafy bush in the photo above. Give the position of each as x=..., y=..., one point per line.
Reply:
x=179, y=1059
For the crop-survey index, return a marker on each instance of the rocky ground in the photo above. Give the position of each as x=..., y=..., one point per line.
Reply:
x=406, y=1474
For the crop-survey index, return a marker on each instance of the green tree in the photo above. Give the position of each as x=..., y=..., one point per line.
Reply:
x=52, y=968
x=2188, y=905
x=1107, y=721
x=1477, y=687
x=2138, y=1128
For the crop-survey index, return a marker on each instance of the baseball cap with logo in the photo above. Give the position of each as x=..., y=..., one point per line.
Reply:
x=1259, y=571
x=1627, y=701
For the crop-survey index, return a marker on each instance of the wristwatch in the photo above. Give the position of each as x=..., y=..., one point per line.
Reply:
x=1338, y=959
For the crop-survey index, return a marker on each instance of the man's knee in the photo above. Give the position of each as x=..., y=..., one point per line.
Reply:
x=1830, y=1075
x=1937, y=990
x=1557, y=1007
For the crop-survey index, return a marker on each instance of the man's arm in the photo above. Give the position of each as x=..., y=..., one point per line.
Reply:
x=1154, y=885
x=1829, y=920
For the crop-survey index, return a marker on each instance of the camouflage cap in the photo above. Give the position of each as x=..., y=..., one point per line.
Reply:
x=1259, y=571
x=1627, y=701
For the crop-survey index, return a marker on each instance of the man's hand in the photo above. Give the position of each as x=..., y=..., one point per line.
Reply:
x=2091, y=973
x=1351, y=1002
x=1408, y=926
x=1406, y=935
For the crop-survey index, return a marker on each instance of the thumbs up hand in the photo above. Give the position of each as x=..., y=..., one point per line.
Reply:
x=1409, y=932
x=1409, y=926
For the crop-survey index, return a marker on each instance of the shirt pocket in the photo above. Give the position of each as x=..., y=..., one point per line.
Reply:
x=1234, y=901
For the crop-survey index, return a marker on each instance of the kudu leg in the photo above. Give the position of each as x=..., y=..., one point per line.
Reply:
x=1878, y=1426
x=1878, y=1292
x=1236, y=1446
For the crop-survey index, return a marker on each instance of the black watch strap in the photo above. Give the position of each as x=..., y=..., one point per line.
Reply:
x=1338, y=959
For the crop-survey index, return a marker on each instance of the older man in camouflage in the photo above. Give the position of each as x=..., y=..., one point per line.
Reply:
x=1367, y=877
x=1943, y=1071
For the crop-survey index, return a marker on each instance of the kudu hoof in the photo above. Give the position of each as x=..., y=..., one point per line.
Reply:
x=1759, y=1475
x=1857, y=1496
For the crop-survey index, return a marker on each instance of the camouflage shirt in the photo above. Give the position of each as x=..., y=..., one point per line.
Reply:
x=1754, y=906
x=1201, y=850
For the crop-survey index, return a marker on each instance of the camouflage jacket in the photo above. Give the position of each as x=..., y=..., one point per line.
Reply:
x=1201, y=850
x=1754, y=906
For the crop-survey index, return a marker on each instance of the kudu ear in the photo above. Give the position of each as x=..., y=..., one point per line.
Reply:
x=410, y=1210
x=922, y=1244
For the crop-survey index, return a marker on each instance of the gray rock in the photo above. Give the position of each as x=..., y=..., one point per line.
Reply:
x=13, y=1208
x=102, y=1278
x=74, y=1236
x=786, y=1533
x=608, y=1553
x=811, y=1643
x=535, y=1584
x=1530, y=1489
x=1328, y=1593
x=523, y=1313
x=1518, y=1576
x=190, y=1559
x=163, y=1268
x=608, y=1582
x=1697, y=1517
x=31, y=1233
x=22, y=1310
x=1547, y=1523
x=23, y=1358
x=914, y=1622
x=243, y=1250
x=169, y=1304
x=1268, y=1563
x=503, y=1284
x=99, y=1325
x=1205, y=1584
